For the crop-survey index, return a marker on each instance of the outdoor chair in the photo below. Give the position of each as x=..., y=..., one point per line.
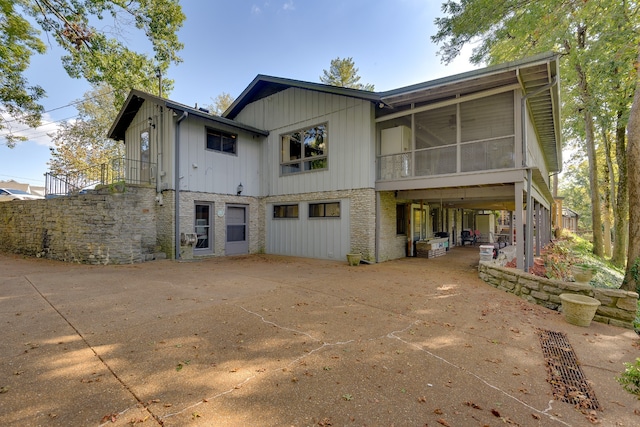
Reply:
x=468, y=236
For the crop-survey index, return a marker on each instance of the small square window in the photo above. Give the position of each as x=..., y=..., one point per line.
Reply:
x=222, y=141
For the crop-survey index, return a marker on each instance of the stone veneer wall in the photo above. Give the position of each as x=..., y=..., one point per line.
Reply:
x=220, y=201
x=392, y=245
x=101, y=227
x=361, y=217
x=618, y=307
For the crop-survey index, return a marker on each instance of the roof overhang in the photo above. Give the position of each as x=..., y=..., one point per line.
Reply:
x=263, y=86
x=136, y=98
x=531, y=74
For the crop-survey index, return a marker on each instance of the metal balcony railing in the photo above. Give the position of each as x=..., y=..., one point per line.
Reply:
x=124, y=170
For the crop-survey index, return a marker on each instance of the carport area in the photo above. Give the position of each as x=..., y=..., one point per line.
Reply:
x=271, y=341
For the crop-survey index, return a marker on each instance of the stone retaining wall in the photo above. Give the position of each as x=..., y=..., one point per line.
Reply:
x=101, y=227
x=618, y=307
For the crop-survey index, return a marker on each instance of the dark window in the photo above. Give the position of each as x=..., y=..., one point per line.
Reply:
x=285, y=211
x=401, y=219
x=324, y=210
x=222, y=141
x=304, y=150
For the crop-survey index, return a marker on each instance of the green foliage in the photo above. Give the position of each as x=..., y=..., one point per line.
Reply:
x=630, y=378
x=343, y=73
x=83, y=143
x=96, y=56
x=221, y=103
x=635, y=270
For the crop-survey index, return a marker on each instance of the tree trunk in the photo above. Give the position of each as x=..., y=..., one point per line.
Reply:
x=596, y=213
x=606, y=206
x=621, y=206
x=631, y=280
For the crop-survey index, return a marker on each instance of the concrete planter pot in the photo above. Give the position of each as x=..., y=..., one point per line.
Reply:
x=579, y=309
x=354, y=259
x=581, y=273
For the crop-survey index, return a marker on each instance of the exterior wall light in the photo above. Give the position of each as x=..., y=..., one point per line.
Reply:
x=239, y=189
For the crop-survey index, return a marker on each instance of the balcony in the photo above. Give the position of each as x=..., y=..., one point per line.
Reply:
x=116, y=170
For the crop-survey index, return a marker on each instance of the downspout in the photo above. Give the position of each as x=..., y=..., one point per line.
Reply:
x=528, y=255
x=177, y=183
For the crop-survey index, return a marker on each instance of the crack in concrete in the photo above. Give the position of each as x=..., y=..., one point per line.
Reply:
x=478, y=377
x=102, y=361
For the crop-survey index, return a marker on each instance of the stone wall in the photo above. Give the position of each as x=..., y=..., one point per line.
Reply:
x=392, y=245
x=188, y=201
x=618, y=307
x=101, y=227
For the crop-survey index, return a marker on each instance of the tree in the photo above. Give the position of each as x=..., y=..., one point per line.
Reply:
x=221, y=103
x=82, y=143
x=343, y=73
x=596, y=40
x=90, y=53
x=631, y=280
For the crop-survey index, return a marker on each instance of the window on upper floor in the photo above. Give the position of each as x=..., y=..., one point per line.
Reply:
x=304, y=150
x=223, y=142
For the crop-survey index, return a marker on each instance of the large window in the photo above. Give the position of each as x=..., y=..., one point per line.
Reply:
x=285, y=211
x=222, y=141
x=304, y=150
x=324, y=210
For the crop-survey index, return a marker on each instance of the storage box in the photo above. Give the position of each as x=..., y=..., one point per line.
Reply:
x=486, y=252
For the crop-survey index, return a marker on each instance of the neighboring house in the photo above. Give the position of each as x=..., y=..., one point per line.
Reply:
x=306, y=169
x=570, y=219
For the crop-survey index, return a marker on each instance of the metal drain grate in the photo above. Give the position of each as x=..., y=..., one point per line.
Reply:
x=565, y=375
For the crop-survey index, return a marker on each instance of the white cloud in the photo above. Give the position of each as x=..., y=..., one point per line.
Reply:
x=38, y=135
x=255, y=10
x=289, y=5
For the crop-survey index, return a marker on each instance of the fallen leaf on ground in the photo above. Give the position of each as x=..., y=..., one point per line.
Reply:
x=443, y=422
x=495, y=412
x=473, y=405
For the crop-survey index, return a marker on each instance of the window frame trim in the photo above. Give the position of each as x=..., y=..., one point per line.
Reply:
x=302, y=160
x=338, y=202
x=221, y=132
x=285, y=217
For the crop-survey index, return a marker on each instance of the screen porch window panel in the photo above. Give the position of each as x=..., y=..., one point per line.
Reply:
x=487, y=118
x=435, y=128
x=488, y=155
x=436, y=161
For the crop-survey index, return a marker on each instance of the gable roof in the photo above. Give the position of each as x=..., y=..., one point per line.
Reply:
x=263, y=86
x=137, y=97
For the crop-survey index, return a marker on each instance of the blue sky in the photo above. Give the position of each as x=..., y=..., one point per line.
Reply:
x=228, y=43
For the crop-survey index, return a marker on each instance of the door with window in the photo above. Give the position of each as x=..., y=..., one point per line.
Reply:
x=237, y=230
x=203, y=228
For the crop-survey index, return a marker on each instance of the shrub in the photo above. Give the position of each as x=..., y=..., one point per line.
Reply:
x=630, y=378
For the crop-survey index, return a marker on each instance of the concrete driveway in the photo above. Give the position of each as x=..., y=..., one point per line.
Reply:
x=277, y=341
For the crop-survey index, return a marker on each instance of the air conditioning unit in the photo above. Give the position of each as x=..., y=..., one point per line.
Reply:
x=188, y=239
